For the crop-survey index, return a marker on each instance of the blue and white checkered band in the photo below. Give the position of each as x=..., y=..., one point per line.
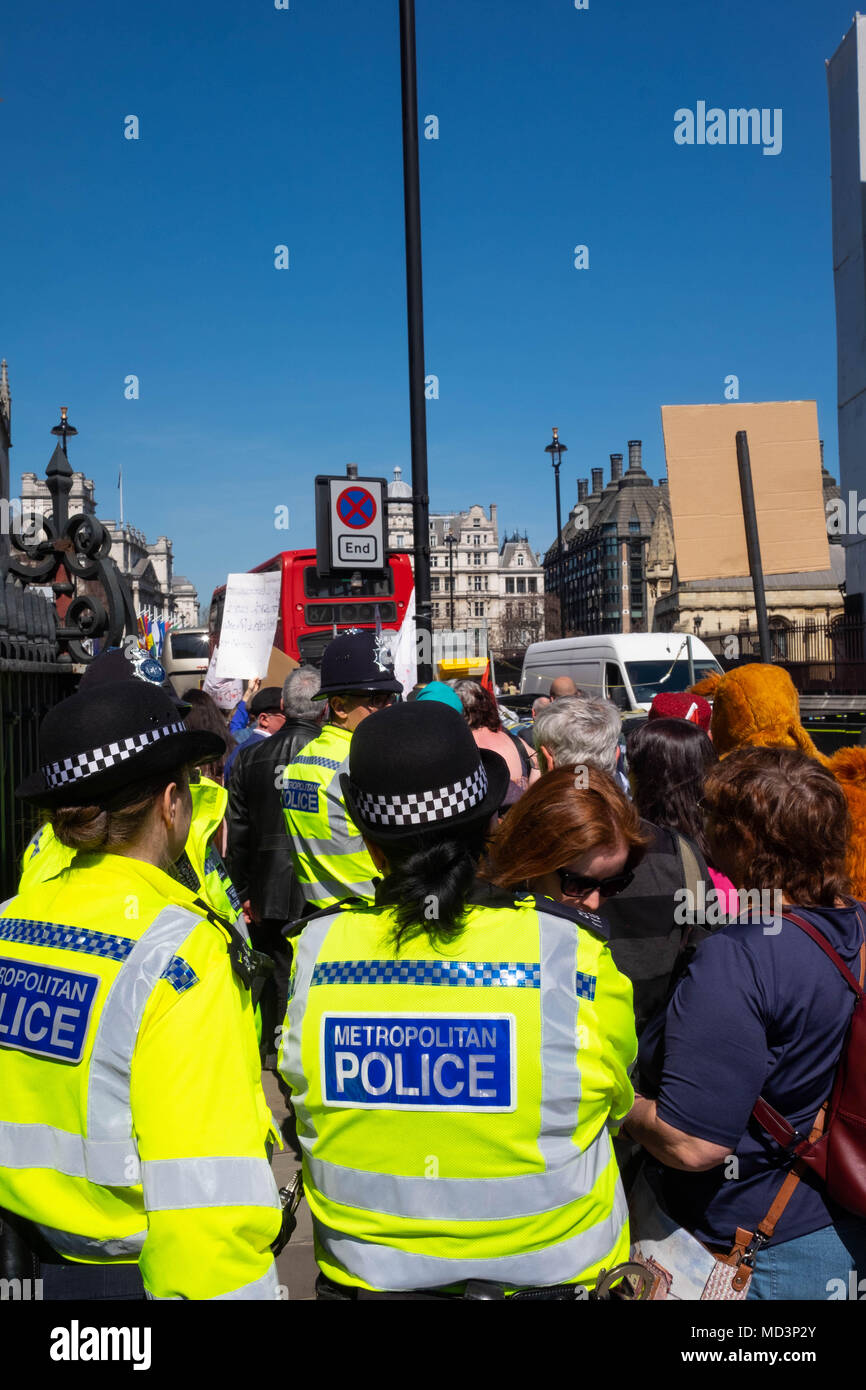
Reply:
x=421, y=808
x=100, y=759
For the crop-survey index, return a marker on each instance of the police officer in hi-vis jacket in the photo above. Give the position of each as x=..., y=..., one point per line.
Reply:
x=133, y=1126
x=329, y=857
x=457, y=1060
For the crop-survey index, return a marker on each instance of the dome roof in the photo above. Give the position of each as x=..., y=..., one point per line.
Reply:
x=398, y=488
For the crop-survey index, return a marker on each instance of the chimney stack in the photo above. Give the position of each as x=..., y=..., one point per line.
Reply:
x=597, y=481
x=634, y=452
x=582, y=489
x=615, y=467
x=821, y=447
x=351, y=470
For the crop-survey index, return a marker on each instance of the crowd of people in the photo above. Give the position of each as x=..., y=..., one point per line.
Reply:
x=530, y=988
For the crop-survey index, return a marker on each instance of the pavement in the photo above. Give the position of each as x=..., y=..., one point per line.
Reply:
x=296, y=1266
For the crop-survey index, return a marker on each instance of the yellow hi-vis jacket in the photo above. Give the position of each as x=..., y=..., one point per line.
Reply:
x=200, y=867
x=132, y=1118
x=455, y=1101
x=330, y=860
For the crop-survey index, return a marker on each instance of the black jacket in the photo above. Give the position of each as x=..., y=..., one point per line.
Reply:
x=645, y=928
x=258, y=855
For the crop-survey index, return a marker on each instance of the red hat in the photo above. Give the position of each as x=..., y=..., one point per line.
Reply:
x=676, y=705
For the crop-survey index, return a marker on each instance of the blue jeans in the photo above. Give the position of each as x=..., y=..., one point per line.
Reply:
x=826, y=1264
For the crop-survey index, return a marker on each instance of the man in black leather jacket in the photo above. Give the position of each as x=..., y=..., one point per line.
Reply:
x=258, y=854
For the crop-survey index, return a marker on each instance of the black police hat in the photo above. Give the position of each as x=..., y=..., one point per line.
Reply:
x=127, y=664
x=98, y=742
x=417, y=767
x=267, y=701
x=356, y=661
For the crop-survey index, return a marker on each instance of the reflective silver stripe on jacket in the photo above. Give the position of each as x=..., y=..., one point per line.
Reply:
x=463, y=1199
x=260, y=1289
x=560, y=1073
x=307, y=948
x=43, y=1146
x=86, y=1247
x=112, y=1153
x=180, y=1184
x=335, y=890
x=386, y=1267
x=265, y=1288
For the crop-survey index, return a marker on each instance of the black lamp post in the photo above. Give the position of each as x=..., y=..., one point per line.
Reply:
x=451, y=541
x=64, y=429
x=556, y=450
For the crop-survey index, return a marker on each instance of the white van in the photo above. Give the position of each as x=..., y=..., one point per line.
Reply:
x=185, y=657
x=628, y=668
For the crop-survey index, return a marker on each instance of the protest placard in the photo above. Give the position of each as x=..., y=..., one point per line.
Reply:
x=249, y=622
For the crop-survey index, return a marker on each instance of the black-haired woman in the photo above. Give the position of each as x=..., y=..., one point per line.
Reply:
x=132, y=1120
x=457, y=1060
x=669, y=760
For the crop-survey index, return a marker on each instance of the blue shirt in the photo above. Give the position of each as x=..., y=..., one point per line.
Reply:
x=758, y=1013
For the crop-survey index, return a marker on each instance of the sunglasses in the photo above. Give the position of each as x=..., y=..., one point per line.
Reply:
x=578, y=886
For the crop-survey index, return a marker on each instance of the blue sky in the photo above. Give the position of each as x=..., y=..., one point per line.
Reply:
x=261, y=127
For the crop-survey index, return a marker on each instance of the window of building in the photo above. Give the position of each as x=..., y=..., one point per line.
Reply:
x=476, y=540
x=476, y=521
x=434, y=584
x=479, y=610
x=509, y=586
x=478, y=583
x=436, y=610
x=520, y=559
x=477, y=559
x=634, y=527
x=532, y=586
x=400, y=540
x=433, y=562
x=521, y=586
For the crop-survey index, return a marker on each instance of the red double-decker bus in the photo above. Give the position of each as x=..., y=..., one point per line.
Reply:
x=312, y=605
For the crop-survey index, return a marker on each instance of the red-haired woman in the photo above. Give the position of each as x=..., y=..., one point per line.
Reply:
x=571, y=838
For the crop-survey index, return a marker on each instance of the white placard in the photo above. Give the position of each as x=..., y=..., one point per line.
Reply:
x=404, y=650
x=249, y=621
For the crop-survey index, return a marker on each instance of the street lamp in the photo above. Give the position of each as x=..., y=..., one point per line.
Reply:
x=64, y=429
x=556, y=450
x=451, y=541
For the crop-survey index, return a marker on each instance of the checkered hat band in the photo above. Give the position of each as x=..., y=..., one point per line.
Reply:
x=100, y=759
x=422, y=808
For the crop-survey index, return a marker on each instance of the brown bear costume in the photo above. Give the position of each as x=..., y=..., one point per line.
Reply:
x=757, y=706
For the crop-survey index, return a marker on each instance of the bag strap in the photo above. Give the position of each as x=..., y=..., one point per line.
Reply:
x=748, y=1243
x=820, y=940
x=691, y=869
x=767, y=1117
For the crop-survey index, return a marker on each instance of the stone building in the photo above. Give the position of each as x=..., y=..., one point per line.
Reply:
x=607, y=541
x=498, y=587
x=148, y=568
x=620, y=575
